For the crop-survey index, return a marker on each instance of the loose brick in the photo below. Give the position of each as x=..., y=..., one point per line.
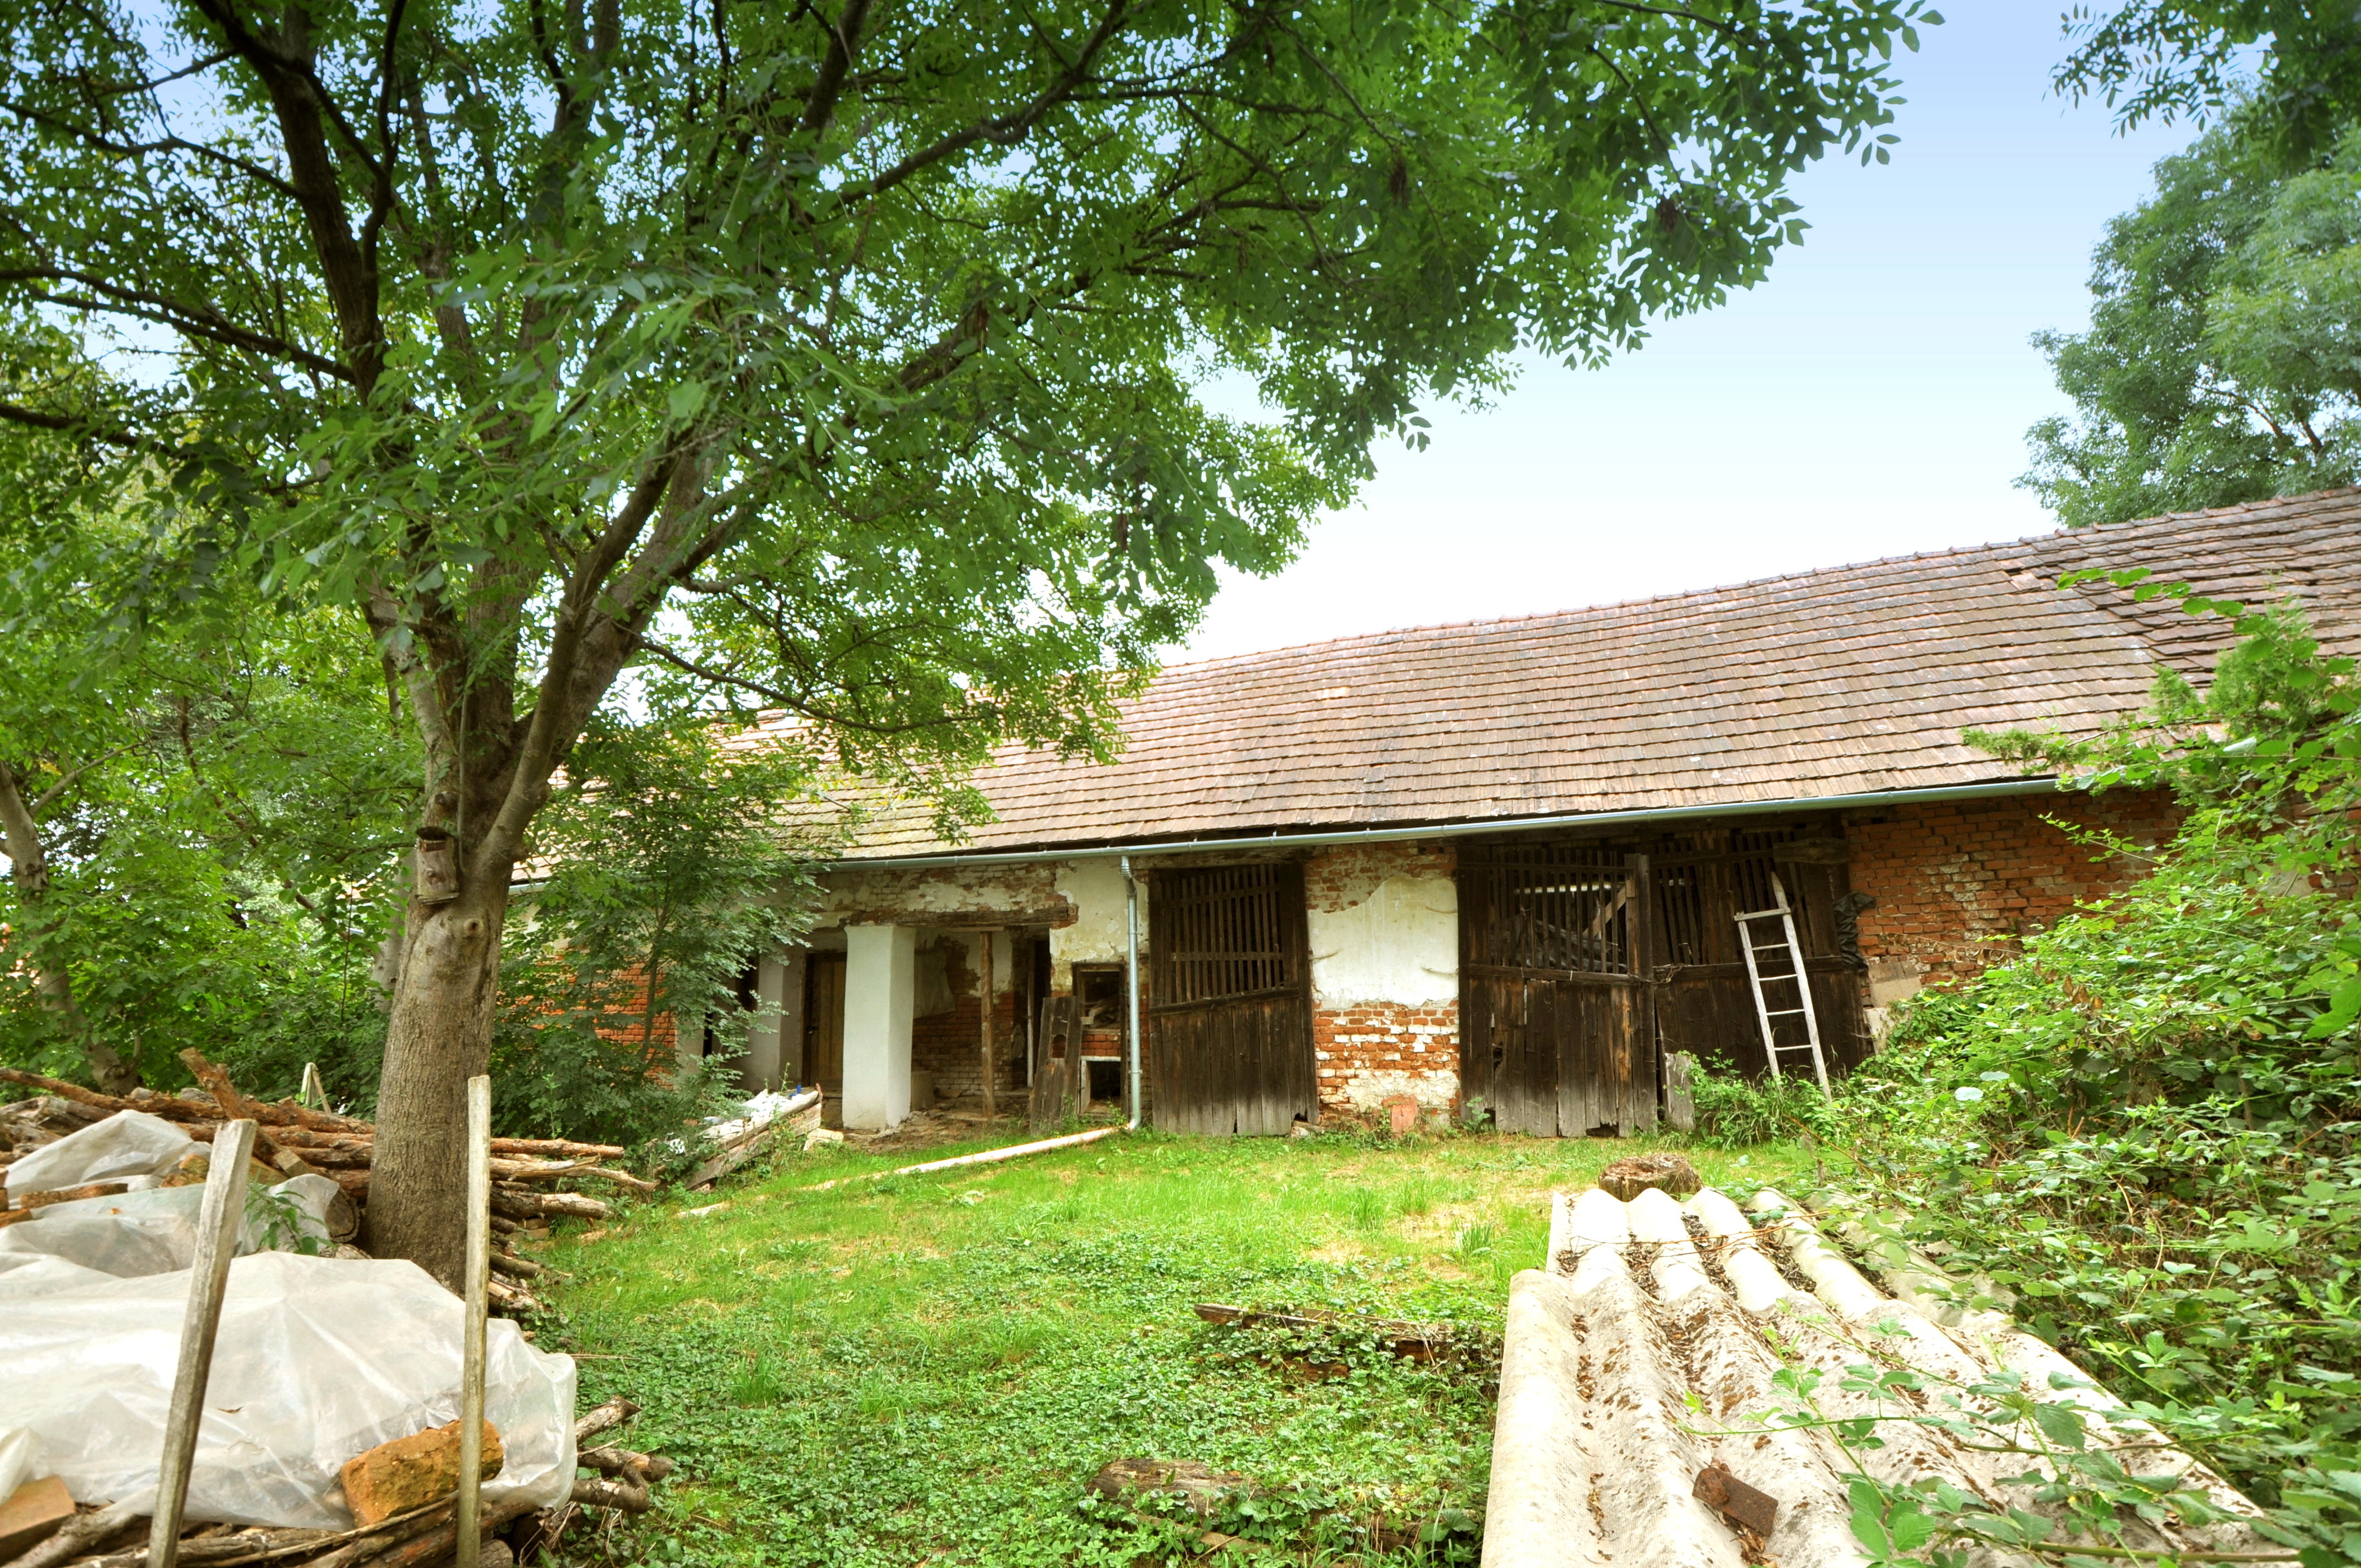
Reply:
x=394, y=1477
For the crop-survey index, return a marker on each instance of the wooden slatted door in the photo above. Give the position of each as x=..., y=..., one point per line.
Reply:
x=1230, y=1021
x=1557, y=1007
x=1706, y=1006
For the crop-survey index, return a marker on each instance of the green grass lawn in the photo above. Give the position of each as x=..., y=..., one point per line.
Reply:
x=930, y=1370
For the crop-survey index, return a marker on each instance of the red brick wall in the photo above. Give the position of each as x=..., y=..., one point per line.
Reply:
x=1959, y=883
x=950, y=1044
x=1365, y=1055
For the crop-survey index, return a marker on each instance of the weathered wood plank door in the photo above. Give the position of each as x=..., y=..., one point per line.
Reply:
x=1557, y=1003
x=1229, y=1026
x=1704, y=1006
x=824, y=1020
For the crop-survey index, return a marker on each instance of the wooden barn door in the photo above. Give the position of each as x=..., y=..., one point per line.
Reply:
x=1229, y=1029
x=1704, y=1006
x=1557, y=1011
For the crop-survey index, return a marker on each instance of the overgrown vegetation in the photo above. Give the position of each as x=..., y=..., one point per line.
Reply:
x=2143, y=1134
x=932, y=1368
x=668, y=869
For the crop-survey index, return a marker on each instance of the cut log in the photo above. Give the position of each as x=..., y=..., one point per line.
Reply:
x=559, y=1146
x=84, y=1532
x=632, y=1498
x=622, y=1179
x=63, y=1090
x=216, y=1082
x=509, y=1299
x=402, y=1550
x=624, y=1462
x=250, y=1545
x=73, y=1194
x=571, y=1204
x=410, y=1472
x=604, y=1419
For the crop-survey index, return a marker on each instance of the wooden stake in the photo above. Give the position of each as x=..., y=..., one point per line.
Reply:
x=314, y=1092
x=217, y=1234
x=471, y=1541
x=991, y=1105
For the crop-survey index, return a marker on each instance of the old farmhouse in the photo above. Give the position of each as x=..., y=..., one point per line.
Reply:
x=1502, y=863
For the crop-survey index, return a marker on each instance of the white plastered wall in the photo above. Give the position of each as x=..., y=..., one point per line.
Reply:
x=1099, y=934
x=1385, y=944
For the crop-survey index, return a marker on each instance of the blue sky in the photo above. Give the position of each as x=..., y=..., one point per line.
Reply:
x=1870, y=399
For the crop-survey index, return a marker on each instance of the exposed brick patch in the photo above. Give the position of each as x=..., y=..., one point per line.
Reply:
x=1337, y=878
x=1361, y=1055
x=1959, y=884
x=950, y=1044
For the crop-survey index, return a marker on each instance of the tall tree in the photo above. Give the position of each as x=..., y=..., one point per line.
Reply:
x=2223, y=361
x=841, y=359
x=2297, y=61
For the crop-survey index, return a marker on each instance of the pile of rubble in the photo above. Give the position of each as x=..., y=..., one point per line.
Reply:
x=292, y=1140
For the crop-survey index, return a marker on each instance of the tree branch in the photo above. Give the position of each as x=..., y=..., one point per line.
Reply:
x=197, y=321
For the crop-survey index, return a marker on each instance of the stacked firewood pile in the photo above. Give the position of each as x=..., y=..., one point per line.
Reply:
x=513, y=1532
x=292, y=1139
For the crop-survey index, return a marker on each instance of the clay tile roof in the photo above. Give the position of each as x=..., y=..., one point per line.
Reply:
x=1849, y=680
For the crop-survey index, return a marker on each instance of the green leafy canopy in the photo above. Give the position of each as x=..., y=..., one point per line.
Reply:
x=847, y=362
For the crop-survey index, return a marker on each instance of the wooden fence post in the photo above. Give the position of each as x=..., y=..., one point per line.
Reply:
x=218, y=1224
x=471, y=1541
x=991, y=1101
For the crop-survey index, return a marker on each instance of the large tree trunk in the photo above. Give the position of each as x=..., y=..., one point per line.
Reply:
x=439, y=1036
x=28, y=863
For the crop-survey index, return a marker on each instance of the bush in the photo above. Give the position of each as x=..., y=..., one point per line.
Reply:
x=1734, y=1113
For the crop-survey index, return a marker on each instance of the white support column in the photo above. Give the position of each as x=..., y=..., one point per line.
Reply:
x=759, y=1068
x=879, y=970
x=793, y=967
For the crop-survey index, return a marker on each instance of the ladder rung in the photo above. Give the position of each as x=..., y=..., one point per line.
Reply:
x=1785, y=1013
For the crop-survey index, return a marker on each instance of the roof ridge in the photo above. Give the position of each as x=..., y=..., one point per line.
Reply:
x=1296, y=650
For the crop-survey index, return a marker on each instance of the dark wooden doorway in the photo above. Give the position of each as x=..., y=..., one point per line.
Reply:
x=1705, y=1005
x=824, y=1020
x=1583, y=965
x=1230, y=1016
x=1556, y=1001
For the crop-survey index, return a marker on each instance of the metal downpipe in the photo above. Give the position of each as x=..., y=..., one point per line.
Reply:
x=1131, y=983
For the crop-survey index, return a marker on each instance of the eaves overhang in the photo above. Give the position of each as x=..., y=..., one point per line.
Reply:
x=1282, y=839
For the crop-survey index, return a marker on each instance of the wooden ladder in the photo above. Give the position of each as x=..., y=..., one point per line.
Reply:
x=1763, y=1011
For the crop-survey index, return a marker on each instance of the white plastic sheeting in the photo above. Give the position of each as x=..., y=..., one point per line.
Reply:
x=21, y=1459
x=155, y=1231
x=1643, y=1352
x=317, y=1359
x=128, y=1145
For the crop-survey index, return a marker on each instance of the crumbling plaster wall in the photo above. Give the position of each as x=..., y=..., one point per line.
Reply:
x=1383, y=922
x=1016, y=893
x=952, y=906
x=1098, y=933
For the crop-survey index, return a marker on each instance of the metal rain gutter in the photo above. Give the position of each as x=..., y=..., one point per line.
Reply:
x=2046, y=784
x=1131, y=976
